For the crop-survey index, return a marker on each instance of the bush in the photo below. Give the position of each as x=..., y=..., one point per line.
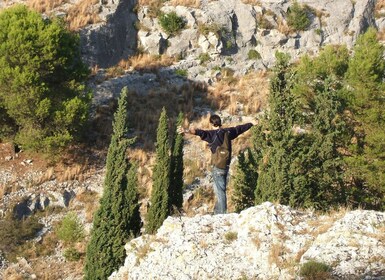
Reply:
x=313, y=270
x=70, y=230
x=14, y=233
x=71, y=254
x=42, y=94
x=181, y=72
x=171, y=23
x=203, y=58
x=253, y=54
x=297, y=17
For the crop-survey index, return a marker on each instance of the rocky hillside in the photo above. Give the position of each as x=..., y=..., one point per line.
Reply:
x=264, y=242
x=219, y=38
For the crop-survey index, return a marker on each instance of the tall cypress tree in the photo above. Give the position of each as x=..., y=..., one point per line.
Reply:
x=159, y=202
x=117, y=218
x=245, y=181
x=176, y=182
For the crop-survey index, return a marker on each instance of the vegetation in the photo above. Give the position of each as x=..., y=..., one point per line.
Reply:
x=70, y=230
x=297, y=17
x=253, y=54
x=159, y=202
x=171, y=23
x=245, y=179
x=364, y=76
x=118, y=219
x=321, y=144
x=176, y=167
x=14, y=233
x=315, y=270
x=43, y=102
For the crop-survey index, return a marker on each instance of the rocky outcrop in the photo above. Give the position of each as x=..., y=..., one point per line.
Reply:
x=105, y=44
x=264, y=242
x=235, y=28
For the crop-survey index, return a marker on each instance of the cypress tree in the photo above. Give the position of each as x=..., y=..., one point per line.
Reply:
x=117, y=218
x=176, y=183
x=159, y=201
x=245, y=181
x=274, y=142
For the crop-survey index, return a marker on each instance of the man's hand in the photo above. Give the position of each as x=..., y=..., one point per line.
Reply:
x=181, y=130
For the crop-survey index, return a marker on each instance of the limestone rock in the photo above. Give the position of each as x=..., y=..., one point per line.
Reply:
x=264, y=242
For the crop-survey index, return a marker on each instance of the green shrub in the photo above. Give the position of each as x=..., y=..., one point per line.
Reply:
x=181, y=72
x=313, y=270
x=297, y=17
x=230, y=236
x=171, y=23
x=253, y=54
x=70, y=230
x=43, y=97
x=203, y=58
x=71, y=254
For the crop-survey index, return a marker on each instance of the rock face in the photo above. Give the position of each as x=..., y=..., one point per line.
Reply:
x=264, y=242
x=106, y=44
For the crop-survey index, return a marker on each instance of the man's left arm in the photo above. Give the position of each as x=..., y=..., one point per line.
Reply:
x=239, y=129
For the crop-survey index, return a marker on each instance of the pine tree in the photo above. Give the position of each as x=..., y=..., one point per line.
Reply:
x=176, y=182
x=117, y=219
x=159, y=202
x=365, y=79
x=245, y=181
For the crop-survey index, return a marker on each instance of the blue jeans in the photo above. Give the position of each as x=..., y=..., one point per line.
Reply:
x=220, y=180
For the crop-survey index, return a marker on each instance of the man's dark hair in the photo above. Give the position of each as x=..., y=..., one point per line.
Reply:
x=215, y=120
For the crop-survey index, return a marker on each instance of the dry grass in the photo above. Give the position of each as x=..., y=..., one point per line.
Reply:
x=276, y=252
x=90, y=201
x=381, y=35
x=45, y=6
x=252, y=2
x=379, y=9
x=83, y=13
x=283, y=27
x=149, y=63
x=186, y=3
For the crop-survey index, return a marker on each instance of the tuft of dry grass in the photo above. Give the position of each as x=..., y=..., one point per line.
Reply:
x=276, y=252
x=379, y=9
x=149, y=63
x=252, y=2
x=186, y=3
x=83, y=13
x=283, y=27
x=45, y=6
x=90, y=199
x=381, y=35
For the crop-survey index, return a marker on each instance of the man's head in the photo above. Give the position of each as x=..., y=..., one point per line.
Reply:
x=215, y=120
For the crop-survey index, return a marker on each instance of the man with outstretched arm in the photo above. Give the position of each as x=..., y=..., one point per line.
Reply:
x=215, y=138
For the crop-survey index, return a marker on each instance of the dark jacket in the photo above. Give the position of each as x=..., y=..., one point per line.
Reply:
x=215, y=137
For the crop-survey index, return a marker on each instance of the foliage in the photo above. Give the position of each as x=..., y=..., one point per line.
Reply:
x=203, y=58
x=42, y=98
x=118, y=219
x=176, y=167
x=315, y=270
x=297, y=17
x=253, y=54
x=71, y=254
x=171, y=23
x=181, y=72
x=159, y=201
x=70, y=230
x=245, y=181
x=299, y=155
x=366, y=100
x=14, y=233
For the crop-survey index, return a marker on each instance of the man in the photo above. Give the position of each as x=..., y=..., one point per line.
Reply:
x=215, y=138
